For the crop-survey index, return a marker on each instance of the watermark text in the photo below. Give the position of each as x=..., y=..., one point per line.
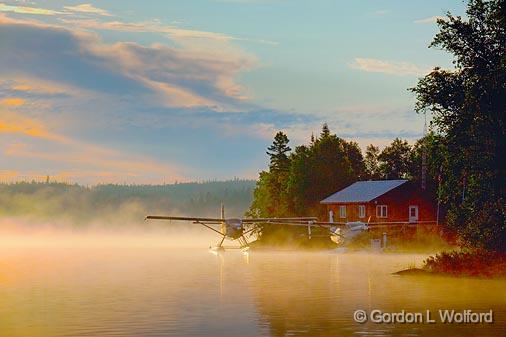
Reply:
x=445, y=316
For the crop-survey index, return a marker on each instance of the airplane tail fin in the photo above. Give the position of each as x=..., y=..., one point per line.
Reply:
x=222, y=211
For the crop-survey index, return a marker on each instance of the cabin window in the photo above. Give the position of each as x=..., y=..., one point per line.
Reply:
x=381, y=211
x=361, y=211
x=412, y=211
x=342, y=211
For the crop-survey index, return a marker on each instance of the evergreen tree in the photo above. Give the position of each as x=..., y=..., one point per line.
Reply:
x=262, y=204
x=270, y=193
x=278, y=152
x=356, y=159
x=328, y=164
x=328, y=170
x=371, y=162
x=325, y=131
x=298, y=184
x=331, y=170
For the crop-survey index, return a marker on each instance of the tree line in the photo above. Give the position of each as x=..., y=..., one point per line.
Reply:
x=120, y=205
x=464, y=151
x=296, y=181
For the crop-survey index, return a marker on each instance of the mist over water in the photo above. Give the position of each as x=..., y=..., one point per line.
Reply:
x=21, y=233
x=78, y=261
x=164, y=282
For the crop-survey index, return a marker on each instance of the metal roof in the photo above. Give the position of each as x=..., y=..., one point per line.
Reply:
x=363, y=191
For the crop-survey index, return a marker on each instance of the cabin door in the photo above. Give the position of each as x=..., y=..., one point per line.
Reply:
x=413, y=213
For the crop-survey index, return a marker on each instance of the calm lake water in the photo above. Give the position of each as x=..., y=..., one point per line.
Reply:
x=167, y=291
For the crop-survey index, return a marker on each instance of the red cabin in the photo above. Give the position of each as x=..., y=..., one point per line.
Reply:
x=381, y=201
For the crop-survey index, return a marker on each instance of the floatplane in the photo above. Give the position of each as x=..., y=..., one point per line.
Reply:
x=237, y=229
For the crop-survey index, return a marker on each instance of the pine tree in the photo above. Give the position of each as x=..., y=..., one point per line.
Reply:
x=371, y=162
x=325, y=131
x=278, y=153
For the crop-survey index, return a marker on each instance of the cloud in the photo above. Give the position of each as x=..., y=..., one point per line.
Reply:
x=366, y=124
x=87, y=9
x=15, y=123
x=123, y=165
x=163, y=101
x=12, y=101
x=175, y=33
x=81, y=9
x=22, y=87
x=381, y=12
x=429, y=20
x=64, y=151
x=172, y=76
x=27, y=10
x=248, y=1
x=386, y=67
x=149, y=27
x=33, y=86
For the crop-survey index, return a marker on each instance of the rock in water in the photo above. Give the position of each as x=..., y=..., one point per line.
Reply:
x=413, y=271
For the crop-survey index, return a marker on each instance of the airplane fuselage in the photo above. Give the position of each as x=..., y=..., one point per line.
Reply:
x=232, y=228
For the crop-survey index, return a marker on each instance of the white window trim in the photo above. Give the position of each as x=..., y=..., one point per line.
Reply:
x=379, y=211
x=361, y=214
x=342, y=211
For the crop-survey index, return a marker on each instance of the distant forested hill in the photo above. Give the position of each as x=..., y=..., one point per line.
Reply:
x=116, y=204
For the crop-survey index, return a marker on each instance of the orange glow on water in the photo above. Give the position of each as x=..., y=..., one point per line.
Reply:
x=138, y=281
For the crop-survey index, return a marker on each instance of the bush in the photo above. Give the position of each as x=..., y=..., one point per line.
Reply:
x=477, y=263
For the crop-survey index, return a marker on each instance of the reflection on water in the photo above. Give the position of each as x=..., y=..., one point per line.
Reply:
x=163, y=291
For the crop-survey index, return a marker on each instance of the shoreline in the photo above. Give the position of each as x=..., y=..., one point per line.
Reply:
x=424, y=272
x=476, y=263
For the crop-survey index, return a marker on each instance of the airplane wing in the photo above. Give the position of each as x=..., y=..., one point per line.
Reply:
x=277, y=220
x=218, y=220
x=330, y=224
x=183, y=218
x=333, y=228
x=206, y=222
x=286, y=223
x=297, y=221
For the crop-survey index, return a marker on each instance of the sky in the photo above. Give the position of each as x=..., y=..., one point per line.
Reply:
x=163, y=91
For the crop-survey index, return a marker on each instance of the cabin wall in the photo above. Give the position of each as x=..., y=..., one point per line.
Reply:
x=351, y=212
x=397, y=201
